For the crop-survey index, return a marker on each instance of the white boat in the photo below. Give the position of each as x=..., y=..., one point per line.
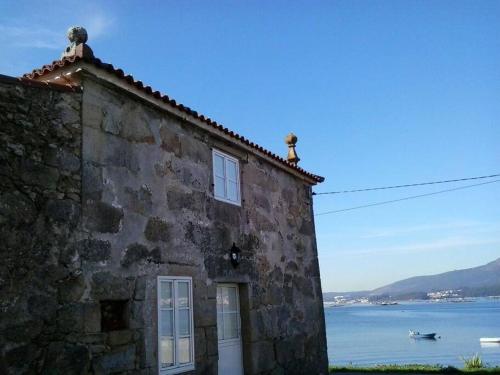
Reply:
x=490, y=340
x=418, y=335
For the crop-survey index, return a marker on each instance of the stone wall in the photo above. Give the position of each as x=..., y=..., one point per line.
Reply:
x=40, y=186
x=100, y=194
x=148, y=209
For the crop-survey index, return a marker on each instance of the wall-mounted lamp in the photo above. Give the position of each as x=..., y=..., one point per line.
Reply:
x=235, y=256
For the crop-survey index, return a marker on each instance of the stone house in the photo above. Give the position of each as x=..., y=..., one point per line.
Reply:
x=140, y=237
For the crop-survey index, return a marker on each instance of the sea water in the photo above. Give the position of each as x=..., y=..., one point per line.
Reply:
x=375, y=334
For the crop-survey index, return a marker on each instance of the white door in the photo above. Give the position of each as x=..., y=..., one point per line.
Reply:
x=228, y=330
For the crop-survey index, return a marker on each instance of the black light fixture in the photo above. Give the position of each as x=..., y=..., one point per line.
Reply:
x=235, y=256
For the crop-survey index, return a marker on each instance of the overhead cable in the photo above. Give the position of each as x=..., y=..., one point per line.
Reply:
x=408, y=185
x=405, y=198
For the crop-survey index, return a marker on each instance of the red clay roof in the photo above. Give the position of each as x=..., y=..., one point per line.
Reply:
x=156, y=94
x=33, y=83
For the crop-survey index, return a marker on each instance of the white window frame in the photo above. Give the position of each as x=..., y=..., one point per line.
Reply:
x=222, y=340
x=179, y=368
x=226, y=157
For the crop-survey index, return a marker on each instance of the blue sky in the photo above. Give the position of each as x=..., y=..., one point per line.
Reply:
x=378, y=92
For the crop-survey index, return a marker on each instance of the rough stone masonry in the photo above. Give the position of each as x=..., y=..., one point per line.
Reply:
x=101, y=191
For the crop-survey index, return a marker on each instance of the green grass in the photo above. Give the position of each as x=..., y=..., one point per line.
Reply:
x=474, y=362
x=406, y=369
x=413, y=369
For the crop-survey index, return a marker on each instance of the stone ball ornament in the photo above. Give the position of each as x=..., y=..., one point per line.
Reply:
x=291, y=139
x=77, y=35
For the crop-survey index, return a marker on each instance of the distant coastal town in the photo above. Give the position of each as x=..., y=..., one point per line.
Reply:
x=450, y=295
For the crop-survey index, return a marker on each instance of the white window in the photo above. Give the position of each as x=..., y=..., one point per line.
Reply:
x=226, y=178
x=228, y=312
x=175, y=325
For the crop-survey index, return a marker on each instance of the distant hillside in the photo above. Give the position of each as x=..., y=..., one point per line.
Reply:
x=477, y=281
x=470, y=278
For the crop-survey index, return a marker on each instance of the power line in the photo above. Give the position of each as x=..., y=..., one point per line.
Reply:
x=407, y=185
x=406, y=198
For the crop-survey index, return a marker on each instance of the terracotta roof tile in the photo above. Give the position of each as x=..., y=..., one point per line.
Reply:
x=33, y=83
x=46, y=69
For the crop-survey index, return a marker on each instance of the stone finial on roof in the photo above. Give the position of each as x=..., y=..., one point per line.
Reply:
x=291, y=141
x=77, y=36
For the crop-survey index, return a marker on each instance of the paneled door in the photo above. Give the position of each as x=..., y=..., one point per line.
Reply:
x=228, y=330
